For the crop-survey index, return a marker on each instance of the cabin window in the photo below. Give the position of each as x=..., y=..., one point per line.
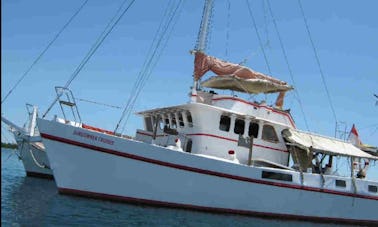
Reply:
x=373, y=188
x=157, y=119
x=181, y=120
x=174, y=123
x=253, y=129
x=189, y=118
x=239, y=126
x=276, y=176
x=224, y=123
x=340, y=183
x=148, y=123
x=269, y=134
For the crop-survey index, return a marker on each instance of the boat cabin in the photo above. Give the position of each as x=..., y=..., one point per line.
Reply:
x=216, y=124
x=232, y=128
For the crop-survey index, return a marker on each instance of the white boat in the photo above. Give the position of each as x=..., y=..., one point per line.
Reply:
x=30, y=148
x=217, y=153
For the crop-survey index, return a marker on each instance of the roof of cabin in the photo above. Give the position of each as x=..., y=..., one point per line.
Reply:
x=326, y=145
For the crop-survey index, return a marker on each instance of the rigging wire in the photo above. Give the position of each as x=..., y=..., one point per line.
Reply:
x=368, y=127
x=258, y=36
x=152, y=65
x=156, y=49
x=288, y=65
x=4, y=133
x=318, y=61
x=228, y=27
x=44, y=50
x=98, y=103
x=141, y=73
x=375, y=130
x=267, y=44
x=94, y=48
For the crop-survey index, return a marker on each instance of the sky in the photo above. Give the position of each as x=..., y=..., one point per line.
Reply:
x=344, y=33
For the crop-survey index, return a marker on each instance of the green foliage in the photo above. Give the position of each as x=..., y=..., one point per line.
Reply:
x=9, y=145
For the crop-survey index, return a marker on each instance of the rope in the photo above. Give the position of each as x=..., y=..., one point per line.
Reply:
x=258, y=36
x=20, y=151
x=94, y=48
x=152, y=65
x=267, y=44
x=318, y=61
x=44, y=51
x=10, y=155
x=35, y=160
x=288, y=65
x=98, y=103
x=137, y=83
x=228, y=27
x=3, y=133
x=154, y=53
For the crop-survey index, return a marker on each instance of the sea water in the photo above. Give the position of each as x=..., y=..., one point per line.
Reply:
x=28, y=201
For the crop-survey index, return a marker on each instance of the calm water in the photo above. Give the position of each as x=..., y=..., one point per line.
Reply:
x=27, y=201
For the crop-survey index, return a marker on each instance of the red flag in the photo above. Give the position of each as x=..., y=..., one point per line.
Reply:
x=353, y=136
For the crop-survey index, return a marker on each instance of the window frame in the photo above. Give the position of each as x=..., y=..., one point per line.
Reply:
x=173, y=120
x=258, y=129
x=146, y=124
x=160, y=119
x=229, y=123
x=181, y=122
x=239, y=120
x=190, y=122
x=275, y=134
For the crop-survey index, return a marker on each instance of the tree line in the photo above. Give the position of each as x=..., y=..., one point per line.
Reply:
x=9, y=145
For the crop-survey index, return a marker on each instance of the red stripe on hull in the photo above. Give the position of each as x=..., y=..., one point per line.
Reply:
x=233, y=140
x=147, y=134
x=219, y=137
x=39, y=175
x=118, y=198
x=202, y=171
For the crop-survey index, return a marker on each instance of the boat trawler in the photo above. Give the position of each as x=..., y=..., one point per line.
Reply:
x=216, y=153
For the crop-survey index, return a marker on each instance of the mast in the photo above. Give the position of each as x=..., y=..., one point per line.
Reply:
x=202, y=39
x=203, y=33
x=33, y=121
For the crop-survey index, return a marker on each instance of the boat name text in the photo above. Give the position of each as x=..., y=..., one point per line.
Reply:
x=93, y=137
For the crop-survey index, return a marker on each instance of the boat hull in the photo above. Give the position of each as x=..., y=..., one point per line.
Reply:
x=34, y=159
x=97, y=165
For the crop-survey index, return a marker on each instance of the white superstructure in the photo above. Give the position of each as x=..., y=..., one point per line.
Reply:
x=204, y=174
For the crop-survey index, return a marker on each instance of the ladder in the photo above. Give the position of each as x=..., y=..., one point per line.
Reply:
x=66, y=99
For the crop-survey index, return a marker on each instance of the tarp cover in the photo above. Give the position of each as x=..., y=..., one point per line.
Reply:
x=234, y=76
x=252, y=86
x=326, y=145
